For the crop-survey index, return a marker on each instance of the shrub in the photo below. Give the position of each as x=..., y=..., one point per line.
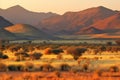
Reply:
x=109, y=43
x=59, y=56
x=5, y=57
x=12, y=67
x=76, y=52
x=3, y=67
x=57, y=51
x=48, y=51
x=30, y=48
x=117, y=42
x=47, y=67
x=96, y=51
x=35, y=56
x=20, y=67
x=20, y=56
x=65, y=67
x=1, y=54
x=29, y=66
x=97, y=74
x=102, y=48
x=114, y=69
x=85, y=67
x=57, y=73
x=15, y=67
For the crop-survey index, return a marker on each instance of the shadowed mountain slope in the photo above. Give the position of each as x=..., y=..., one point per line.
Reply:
x=4, y=22
x=28, y=31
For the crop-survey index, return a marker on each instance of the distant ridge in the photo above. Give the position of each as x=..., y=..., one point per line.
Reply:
x=17, y=14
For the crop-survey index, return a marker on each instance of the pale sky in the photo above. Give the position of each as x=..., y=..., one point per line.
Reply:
x=60, y=6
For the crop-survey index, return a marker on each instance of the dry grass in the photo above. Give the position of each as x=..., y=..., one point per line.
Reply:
x=55, y=76
x=64, y=67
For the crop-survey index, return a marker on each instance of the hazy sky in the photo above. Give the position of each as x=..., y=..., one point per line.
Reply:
x=60, y=6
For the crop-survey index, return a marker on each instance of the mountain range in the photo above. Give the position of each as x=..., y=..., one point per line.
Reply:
x=22, y=23
x=17, y=14
x=80, y=22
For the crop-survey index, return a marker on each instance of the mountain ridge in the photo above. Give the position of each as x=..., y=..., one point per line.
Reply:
x=95, y=20
x=74, y=21
x=17, y=14
x=112, y=22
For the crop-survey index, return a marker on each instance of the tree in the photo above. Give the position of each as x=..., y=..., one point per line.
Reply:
x=76, y=52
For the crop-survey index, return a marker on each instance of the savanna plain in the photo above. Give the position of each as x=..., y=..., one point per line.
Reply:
x=59, y=61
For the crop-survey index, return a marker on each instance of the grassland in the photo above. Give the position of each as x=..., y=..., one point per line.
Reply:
x=55, y=60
